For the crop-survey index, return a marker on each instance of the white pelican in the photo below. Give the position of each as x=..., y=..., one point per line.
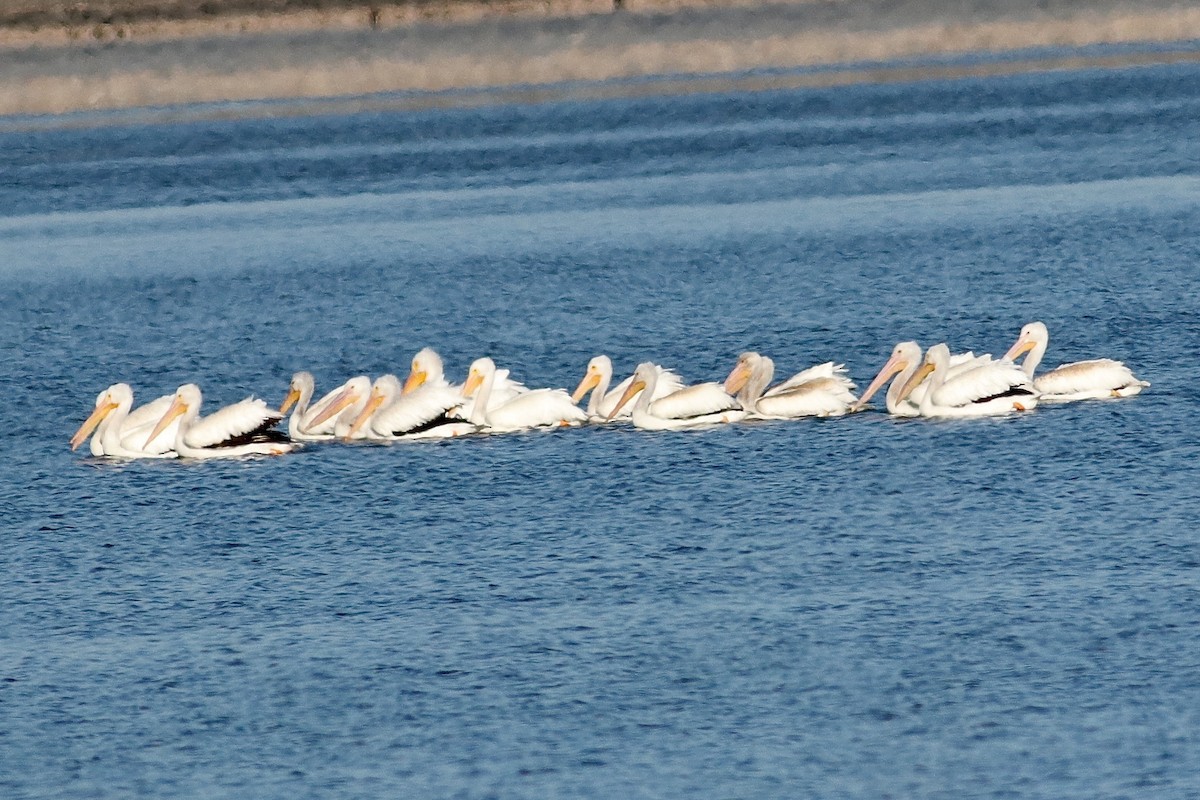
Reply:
x=122, y=433
x=300, y=423
x=1083, y=380
x=997, y=387
x=690, y=407
x=422, y=413
x=820, y=391
x=241, y=429
x=904, y=361
x=530, y=409
x=599, y=376
x=427, y=369
x=341, y=407
x=504, y=388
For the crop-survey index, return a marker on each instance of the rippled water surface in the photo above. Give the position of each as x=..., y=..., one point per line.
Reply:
x=856, y=607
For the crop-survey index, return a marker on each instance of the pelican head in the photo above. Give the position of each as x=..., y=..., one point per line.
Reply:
x=481, y=368
x=641, y=377
x=597, y=369
x=187, y=401
x=107, y=402
x=741, y=372
x=385, y=388
x=1032, y=335
x=904, y=355
x=426, y=366
x=352, y=390
x=936, y=357
x=302, y=383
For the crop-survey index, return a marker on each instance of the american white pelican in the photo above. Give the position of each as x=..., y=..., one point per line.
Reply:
x=341, y=407
x=427, y=368
x=300, y=423
x=504, y=388
x=530, y=409
x=1084, y=380
x=690, y=407
x=599, y=376
x=241, y=429
x=997, y=387
x=904, y=361
x=422, y=413
x=120, y=432
x=820, y=391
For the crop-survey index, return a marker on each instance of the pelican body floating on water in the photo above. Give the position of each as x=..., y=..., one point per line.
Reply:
x=428, y=370
x=689, y=407
x=241, y=429
x=425, y=412
x=602, y=401
x=1096, y=379
x=121, y=433
x=538, y=408
x=904, y=361
x=302, y=424
x=989, y=389
x=820, y=391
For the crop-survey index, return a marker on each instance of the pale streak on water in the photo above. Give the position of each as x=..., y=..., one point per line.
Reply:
x=843, y=608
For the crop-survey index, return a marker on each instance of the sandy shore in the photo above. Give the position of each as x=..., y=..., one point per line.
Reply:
x=351, y=50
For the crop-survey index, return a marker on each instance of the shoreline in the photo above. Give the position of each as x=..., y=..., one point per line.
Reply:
x=311, y=56
x=144, y=23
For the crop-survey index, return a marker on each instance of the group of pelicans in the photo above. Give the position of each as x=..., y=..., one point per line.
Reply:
x=426, y=405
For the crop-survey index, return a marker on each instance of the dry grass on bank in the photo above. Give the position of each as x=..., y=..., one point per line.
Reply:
x=251, y=62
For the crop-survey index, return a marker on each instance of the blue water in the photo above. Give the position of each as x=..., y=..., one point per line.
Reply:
x=849, y=608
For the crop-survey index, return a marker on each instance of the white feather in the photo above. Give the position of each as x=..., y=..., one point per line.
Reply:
x=983, y=390
x=145, y=417
x=698, y=400
x=229, y=423
x=536, y=409
x=976, y=384
x=403, y=415
x=1088, y=380
x=827, y=370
